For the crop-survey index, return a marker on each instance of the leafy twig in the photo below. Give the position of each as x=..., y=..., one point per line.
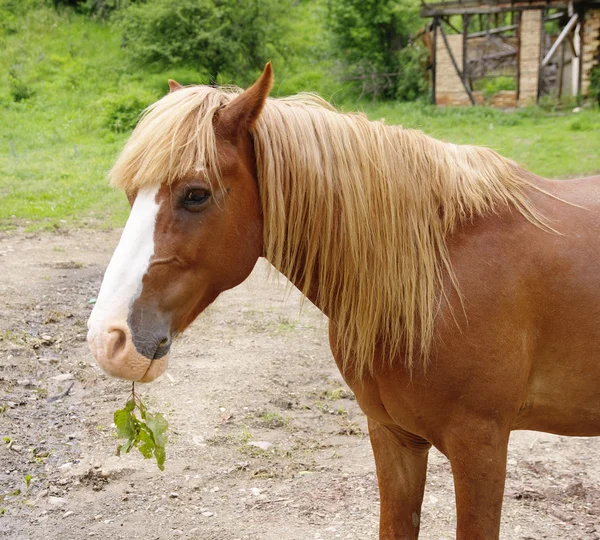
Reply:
x=147, y=433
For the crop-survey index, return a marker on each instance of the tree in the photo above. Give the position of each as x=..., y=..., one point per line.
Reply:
x=213, y=36
x=369, y=36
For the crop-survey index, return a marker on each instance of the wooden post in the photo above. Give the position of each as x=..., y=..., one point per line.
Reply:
x=581, y=42
x=434, y=60
x=518, y=32
x=542, y=47
x=561, y=69
x=466, y=20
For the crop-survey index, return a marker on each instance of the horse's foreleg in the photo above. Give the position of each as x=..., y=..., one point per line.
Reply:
x=401, y=462
x=478, y=459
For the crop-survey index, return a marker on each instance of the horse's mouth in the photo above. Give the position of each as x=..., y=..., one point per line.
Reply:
x=155, y=369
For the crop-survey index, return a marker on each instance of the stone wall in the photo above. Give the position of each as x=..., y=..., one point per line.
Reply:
x=449, y=89
x=591, y=46
x=529, y=56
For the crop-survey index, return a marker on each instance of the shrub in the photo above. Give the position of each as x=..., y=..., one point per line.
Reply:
x=412, y=81
x=230, y=37
x=493, y=84
x=122, y=112
x=96, y=8
x=594, y=91
x=19, y=90
x=368, y=36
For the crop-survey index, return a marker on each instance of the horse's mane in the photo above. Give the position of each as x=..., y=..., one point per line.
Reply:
x=361, y=208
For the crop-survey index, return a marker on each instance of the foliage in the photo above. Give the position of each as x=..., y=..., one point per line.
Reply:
x=594, y=91
x=412, y=82
x=491, y=85
x=122, y=111
x=147, y=433
x=96, y=8
x=19, y=90
x=231, y=37
x=368, y=36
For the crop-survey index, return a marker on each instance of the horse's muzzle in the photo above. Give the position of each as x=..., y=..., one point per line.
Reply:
x=119, y=356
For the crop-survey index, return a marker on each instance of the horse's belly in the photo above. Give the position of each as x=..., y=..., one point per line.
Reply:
x=563, y=392
x=564, y=405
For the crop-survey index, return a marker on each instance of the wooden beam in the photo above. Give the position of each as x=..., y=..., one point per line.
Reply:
x=518, y=16
x=494, y=56
x=439, y=10
x=576, y=62
x=465, y=23
x=541, y=66
x=447, y=21
x=561, y=70
x=454, y=63
x=434, y=61
x=565, y=32
x=581, y=42
x=555, y=16
x=498, y=30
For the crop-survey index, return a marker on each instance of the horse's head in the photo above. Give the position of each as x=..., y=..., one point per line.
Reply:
x=191, y=234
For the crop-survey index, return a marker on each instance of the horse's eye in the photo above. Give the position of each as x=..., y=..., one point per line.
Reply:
x=194, y=198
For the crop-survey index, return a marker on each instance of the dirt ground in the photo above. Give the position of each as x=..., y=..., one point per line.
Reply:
x=253, y=368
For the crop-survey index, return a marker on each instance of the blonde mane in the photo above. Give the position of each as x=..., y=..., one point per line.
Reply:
x=358, y=208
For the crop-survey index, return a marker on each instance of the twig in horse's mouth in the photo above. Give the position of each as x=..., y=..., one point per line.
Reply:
x=61, y=395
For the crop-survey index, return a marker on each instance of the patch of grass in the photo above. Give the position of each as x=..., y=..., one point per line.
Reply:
x=13, y=337
x=285, y=325
x=273, y=420
x=544, y=143
x=336, y=393
x=55, y=148
x=326, y=408
x=245, y=435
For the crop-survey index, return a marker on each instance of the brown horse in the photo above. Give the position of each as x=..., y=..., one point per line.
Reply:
x=462, y=291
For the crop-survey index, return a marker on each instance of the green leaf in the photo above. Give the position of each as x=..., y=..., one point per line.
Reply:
x=147, y=449
x=160, y=455
x=123, y=422
x=158, y=425
x=127, y=446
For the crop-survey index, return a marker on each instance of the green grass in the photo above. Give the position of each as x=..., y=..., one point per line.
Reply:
x=557, y=145
x=67, y=98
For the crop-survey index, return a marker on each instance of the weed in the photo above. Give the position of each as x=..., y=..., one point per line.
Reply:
x=273, y=419
x=19, y=90
x=13, y=337
x=335, y=394
x=245, y=435
x=351, y=429
x=285, y=325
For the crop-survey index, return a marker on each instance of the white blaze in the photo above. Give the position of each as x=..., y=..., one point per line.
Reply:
x=122, y=281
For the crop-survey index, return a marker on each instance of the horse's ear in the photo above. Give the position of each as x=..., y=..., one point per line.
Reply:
x=174, y=85
x=243, y=111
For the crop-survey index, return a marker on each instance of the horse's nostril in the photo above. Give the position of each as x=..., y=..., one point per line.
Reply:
x=164, y=342
x=115, y=343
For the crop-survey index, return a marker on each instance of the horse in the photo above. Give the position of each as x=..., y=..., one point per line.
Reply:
x=461, y=290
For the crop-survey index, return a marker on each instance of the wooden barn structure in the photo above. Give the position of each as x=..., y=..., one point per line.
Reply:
x=511, y=52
